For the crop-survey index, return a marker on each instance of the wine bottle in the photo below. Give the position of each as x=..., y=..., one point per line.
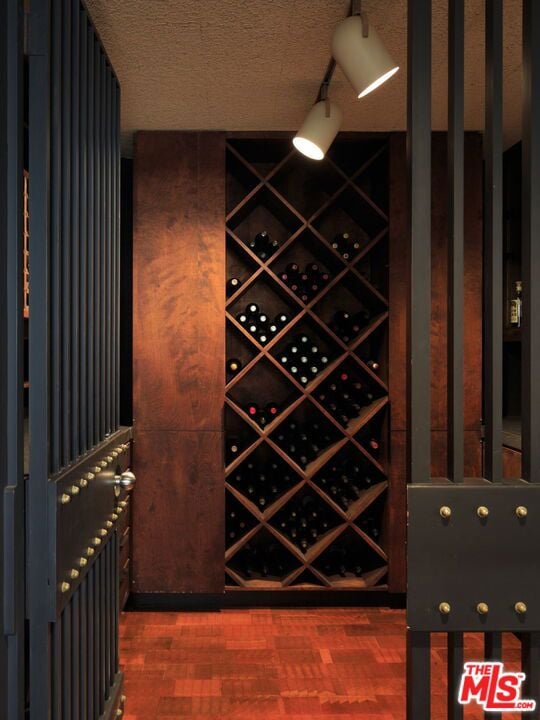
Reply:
x=242, y=318
x=252, y=309
x=272, y=410
x=516, y=305
x=281, y=319
x=232, y=448
x=252, y=409
x=232, y=285
x=234, y=366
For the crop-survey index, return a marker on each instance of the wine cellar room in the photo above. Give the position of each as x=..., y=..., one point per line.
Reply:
x=234, y=193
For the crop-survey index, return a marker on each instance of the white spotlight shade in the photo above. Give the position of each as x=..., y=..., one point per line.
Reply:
x=318, y=131
x=364, y=60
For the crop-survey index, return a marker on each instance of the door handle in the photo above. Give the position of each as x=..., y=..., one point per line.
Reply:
x=126, y=480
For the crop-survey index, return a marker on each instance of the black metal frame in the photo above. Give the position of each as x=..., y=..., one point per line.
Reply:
x=12, y=675
x=455, y=556
x=72, y=550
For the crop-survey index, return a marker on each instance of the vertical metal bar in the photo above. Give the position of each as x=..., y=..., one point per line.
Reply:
x=97, y=241
x=493, y=651
x=530, y=664
x=418, y=675
x=56, y=675
x=103, y=320
x=75, y=428
x=97, y=638
x=56, y=234
x=456, y=35
x=493, y=271
x=455, y=669
x=90, y=629
x=12, y=698
x=37, y=586
x=67, y=450
x=75, y=653
x=419, y=160
x=530, y=346
x=83, y=228
x=90, y=333
x=103, y=680
x=109, y=320
x=117, y=164
x=84, y=654
x=107, y=586
x=115, y=582
x=66, y=662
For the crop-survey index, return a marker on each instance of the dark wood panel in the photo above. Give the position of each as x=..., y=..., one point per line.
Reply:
x=178, y=512
x=472, y=453
x=511, y=463
x=473, y=282
x=396, y=513
x=179, y=281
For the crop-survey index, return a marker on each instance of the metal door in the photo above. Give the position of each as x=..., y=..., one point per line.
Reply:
x=473, y=563
x=78, y=451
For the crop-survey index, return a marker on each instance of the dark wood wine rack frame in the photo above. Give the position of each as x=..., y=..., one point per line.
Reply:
x=373, y=579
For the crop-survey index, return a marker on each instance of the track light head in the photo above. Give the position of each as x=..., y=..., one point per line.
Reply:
x=360, y=53
x=318, y=130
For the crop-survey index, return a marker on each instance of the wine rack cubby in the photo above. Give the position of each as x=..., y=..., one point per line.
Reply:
x=306, y=406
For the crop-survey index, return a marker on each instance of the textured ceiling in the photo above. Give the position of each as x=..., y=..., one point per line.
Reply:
x=257, y=64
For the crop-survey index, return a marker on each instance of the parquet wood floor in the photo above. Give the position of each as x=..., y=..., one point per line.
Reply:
x=332, y=663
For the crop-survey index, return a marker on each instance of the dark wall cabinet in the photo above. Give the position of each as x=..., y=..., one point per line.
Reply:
x=200, y=521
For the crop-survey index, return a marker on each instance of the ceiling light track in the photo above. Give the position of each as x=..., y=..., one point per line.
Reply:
x=365, y=62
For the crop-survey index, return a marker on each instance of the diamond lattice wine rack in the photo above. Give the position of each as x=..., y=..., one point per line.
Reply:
x=306, y=403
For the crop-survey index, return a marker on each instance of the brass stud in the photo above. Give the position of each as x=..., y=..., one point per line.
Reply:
x=114, y=453
x=90, y=476
x=74, y=490
x=96, y=469
x=521, y=511
x=119, y=712
x=109, y=459
x=103, y=464
x=64, y=587
x=83, y=482
x=445, y=512
x=482, y=511
x=119, y=510
x=444, y=608
x=64, y=499
x=123, y=699
x=89, y=551
x=108, y=524
x=83, y=562
x=520, y=608
x=73, y=574
x=96, y=541
x=102, y=532
x=123, y=503
x=114, y=516
x=116, y=491
x=482, y=608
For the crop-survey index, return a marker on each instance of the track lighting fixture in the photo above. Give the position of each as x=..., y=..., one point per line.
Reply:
x=360, y=53
x=320, y=127
x=366, y=63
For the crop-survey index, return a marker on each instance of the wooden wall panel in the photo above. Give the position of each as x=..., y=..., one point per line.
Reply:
x=399, y=258
x=398, y=295
x=178, y=361
x=179, y=533
x=179, y=281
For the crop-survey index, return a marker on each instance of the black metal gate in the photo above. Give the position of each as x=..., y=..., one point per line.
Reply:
x=473, y=561
x=78, y=451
